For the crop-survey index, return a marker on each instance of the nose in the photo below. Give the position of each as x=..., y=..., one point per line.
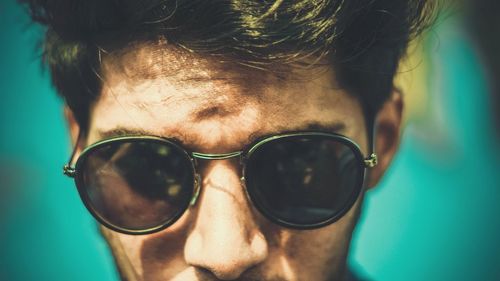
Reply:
x=225, y=238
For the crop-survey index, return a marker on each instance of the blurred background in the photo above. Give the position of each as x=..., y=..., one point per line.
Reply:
x=435, y=216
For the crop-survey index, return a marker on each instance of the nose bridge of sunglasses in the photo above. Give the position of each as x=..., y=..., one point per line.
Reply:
x=222, y=156
x=209, y=156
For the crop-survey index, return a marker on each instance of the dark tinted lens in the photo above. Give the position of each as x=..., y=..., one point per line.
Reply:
x=304, y=180
x=136, y=185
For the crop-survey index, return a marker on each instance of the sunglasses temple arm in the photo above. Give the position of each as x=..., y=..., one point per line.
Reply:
x=68, y=169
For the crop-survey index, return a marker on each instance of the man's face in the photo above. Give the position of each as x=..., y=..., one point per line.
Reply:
x=215, y=108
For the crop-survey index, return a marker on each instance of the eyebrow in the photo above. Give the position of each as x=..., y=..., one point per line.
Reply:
x=122, y=131
x=331, y=128
x=310, y=126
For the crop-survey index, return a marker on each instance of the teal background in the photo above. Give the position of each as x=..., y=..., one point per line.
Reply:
x=434, y=217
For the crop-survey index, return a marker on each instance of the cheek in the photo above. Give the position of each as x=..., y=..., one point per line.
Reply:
x=126, y=250
x=314, y=254
x=153, y=255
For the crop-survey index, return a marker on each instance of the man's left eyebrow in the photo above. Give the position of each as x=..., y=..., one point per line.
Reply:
x=327, y=128
x=335, y=127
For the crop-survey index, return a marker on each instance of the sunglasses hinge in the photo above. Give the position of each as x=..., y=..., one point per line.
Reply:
x=371, y=161
x=69, y=171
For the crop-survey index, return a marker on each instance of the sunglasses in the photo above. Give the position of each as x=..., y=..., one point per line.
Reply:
x=143, y=184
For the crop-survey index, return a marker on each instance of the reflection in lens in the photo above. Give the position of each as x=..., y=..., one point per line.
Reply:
x=304, y=179
x=138, y=185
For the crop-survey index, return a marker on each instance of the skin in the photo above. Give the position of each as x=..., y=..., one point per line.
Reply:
x=214, y=107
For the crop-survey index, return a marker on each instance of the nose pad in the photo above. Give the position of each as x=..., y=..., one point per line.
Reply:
x=197, y=187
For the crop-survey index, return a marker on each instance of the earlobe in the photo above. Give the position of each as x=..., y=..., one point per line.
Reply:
x=387, y=135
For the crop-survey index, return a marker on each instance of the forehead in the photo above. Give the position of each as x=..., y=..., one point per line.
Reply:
x=214, y=105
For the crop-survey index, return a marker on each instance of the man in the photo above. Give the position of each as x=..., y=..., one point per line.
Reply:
x=229, y=140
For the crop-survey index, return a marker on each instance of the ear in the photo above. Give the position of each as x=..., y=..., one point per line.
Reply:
x=73, y=127
x=387, y=135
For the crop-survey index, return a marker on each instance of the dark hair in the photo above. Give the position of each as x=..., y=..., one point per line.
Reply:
x=363, y=39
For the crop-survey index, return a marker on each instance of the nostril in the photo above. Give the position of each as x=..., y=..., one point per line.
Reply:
x=227, y=269
x=225, y=259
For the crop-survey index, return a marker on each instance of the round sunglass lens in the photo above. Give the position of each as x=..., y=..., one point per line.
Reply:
x=136, y=185
x=304, y=181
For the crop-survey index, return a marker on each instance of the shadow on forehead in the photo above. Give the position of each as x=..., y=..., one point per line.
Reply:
x=224, y=85
x=160, y=60
x=155, y=59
